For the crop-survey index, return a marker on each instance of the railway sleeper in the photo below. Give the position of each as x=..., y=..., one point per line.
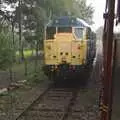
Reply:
x=49, y=107
x=50, y=115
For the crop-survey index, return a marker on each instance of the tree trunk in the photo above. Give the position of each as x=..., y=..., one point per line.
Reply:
x=26, y=67
x=20, y=35
x=13, y=42
x=36, y=58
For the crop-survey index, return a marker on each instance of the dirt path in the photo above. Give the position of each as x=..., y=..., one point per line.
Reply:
x=4, y=79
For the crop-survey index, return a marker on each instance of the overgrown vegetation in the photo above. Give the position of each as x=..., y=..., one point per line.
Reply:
x=32, y=77
x=6, y=50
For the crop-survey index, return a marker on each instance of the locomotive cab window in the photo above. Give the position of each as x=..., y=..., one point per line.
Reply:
x=50, y=32
x=78, y=32
x=64, y=29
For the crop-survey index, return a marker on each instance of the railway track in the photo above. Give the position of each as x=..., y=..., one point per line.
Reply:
x=65, y=103
x=31, y=104
x=62, y=104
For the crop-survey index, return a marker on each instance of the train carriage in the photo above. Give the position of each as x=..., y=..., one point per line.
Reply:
x=69, y=46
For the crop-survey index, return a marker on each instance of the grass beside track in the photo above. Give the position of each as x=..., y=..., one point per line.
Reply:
x=27, y=53
x=33, y=76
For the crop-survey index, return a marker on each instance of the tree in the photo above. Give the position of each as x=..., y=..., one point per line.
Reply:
x=83, y=11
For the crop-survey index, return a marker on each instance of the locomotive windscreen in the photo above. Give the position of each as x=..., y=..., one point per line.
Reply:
x=50, y=32
x=64, y=29
x=78, y=33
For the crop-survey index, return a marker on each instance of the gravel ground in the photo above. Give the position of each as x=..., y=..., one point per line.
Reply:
x=15, y=102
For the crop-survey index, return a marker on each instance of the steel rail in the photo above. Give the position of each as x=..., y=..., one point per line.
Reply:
x=34, y=101
x=71, y=103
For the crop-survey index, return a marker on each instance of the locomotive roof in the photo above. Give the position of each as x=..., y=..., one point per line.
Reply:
x=66, y=21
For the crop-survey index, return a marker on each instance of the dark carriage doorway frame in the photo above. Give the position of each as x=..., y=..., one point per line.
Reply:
x=109, y=51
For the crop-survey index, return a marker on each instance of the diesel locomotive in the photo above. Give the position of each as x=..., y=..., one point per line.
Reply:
x=69, y=47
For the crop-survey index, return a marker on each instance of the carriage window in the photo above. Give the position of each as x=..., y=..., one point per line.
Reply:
x=65, y=30
x=50, y=32
x=79, y=33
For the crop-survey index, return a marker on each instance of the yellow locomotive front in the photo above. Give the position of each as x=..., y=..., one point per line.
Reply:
x=65, y=47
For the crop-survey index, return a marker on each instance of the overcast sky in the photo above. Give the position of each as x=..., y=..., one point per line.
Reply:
x=99, y=6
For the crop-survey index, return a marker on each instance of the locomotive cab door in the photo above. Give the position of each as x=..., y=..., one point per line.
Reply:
x=79, y=46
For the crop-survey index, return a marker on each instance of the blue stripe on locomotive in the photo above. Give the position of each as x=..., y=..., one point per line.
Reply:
x=67, y=22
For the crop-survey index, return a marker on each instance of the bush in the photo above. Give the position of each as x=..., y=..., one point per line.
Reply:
x=6, y=51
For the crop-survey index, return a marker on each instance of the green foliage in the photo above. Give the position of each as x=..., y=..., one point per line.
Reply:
x=36, y=13
x=83, y=11
x=6, y=51
x=35, y=77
